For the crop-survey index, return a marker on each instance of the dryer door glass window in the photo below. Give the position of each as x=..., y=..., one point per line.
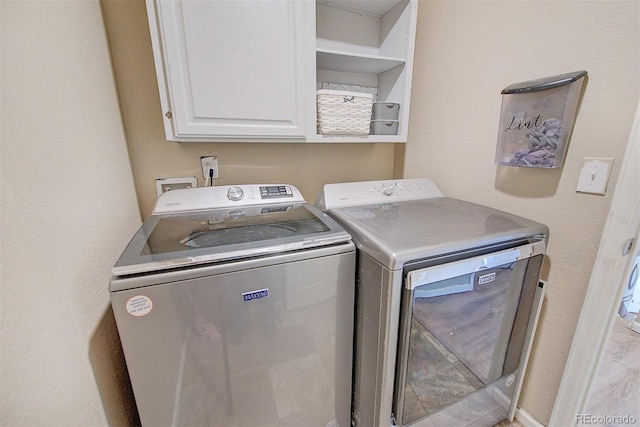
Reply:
x=462, y=333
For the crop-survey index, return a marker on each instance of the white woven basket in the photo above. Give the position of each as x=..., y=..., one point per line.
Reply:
x=343, y=113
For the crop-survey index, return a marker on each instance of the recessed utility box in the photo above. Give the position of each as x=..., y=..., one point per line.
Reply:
x=536, y=120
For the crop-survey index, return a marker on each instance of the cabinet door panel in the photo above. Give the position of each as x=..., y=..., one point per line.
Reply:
x=234, y=68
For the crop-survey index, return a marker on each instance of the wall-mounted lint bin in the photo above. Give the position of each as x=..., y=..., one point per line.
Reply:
x=536, y=120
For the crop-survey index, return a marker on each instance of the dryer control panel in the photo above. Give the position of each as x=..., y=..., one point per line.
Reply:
x=376, y=192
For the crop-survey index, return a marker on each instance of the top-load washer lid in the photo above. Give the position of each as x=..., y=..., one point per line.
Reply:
x=214, y=224
x=401, y=228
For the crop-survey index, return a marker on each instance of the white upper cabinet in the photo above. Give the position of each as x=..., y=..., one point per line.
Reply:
x=233, y=69
x=248, y=70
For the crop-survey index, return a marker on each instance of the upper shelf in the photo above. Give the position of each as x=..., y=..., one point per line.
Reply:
x=356, y=63
x=373, y=7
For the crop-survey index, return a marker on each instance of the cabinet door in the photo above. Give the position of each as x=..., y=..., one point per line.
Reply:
x=233, y=69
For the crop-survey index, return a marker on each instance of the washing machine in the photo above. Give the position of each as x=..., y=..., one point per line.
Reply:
x=447, y=299
x=234, y=306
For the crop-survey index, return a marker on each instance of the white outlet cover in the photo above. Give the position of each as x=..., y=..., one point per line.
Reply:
x=209, y=162
x=594, y=175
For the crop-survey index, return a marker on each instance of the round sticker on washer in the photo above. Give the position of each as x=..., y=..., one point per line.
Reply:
x=510, y=379
x=139, y=305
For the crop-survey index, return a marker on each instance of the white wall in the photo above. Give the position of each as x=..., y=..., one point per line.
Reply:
x=466, y=53
x=68, y=208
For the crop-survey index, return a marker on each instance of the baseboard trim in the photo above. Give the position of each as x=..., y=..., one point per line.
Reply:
x=526, y=419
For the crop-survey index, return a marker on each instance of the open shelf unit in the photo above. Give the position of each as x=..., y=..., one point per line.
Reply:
x=367, y=43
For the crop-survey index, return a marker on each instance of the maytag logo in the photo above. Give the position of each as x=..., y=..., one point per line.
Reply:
x=487, y=278
x=260, y=293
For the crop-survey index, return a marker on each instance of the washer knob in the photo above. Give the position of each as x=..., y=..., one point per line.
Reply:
x=235, y=193
x=387, y=190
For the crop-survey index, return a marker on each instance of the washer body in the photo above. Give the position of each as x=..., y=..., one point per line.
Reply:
x=234, y=306
x=436, y=278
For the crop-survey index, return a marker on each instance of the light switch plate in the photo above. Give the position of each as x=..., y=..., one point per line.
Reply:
x=594, y=175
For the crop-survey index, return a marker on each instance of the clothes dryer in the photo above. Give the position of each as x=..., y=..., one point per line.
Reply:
x=448, y=295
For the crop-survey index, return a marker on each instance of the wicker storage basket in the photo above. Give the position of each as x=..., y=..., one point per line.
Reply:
x=343, y=113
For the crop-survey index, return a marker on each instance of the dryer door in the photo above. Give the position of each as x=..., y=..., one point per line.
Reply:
x=464, y=326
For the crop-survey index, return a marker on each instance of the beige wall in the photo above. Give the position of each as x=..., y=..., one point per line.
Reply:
x=307, y=166
x=466, y=53
x=68, y=208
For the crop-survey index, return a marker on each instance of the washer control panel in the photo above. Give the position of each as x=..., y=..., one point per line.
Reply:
x=226, y=196
x=376, y=192
x=276, y=191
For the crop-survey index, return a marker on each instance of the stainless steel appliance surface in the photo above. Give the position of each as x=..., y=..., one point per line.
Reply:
x=234, y=306
x=447, y=299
